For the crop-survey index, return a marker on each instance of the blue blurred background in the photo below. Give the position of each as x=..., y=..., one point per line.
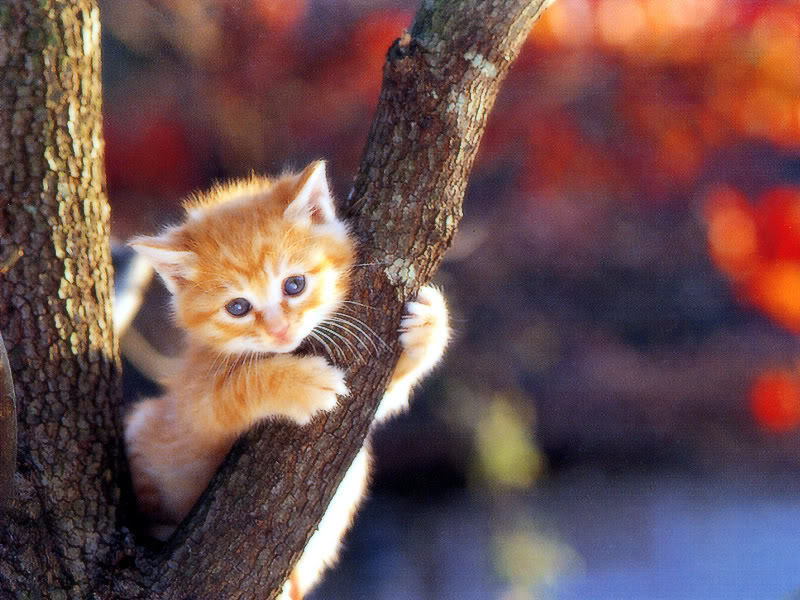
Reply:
x=619, y=414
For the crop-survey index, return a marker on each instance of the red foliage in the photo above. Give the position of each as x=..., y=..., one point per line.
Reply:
x=758, y=247
x=779, y=213
x=775, y=400
x=155, y=156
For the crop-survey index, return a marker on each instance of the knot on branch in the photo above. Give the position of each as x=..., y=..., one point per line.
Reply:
x=404, y=47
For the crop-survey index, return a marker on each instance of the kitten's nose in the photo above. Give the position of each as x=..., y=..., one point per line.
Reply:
x=276, y=324
x=280, y=334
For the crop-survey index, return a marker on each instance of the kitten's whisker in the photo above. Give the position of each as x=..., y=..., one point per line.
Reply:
x=332, y=341
x=313, y=340
x=347, y=342
x=355, y=325
x=214, y=364
x=316, y=338
x=240, y=363
x=367, y=306
x=253, y=364
x=246, y=366
x=223, y=365
x=354, y=330
x=211, y=366
x=326, y=350
x=336, y=345
x=367, y=327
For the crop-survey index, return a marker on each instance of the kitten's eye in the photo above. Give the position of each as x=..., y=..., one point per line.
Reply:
x=294, y=285
x=238, y=307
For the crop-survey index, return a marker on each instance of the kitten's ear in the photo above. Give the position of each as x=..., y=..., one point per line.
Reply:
x=313, y=201
x=172, y=263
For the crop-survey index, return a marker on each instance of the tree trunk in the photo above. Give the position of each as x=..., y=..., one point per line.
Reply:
x=63, y=534
x=59, y=531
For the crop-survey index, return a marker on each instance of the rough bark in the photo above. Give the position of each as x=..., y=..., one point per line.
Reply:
x=59, y=532
x=63, y=535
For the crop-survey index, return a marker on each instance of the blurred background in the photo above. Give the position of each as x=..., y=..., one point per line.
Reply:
x=619, y=415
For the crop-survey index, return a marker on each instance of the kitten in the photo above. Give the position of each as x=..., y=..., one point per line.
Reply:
x=256, y=267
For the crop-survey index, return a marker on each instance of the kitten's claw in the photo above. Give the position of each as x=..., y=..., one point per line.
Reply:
x=318, y=388
x=424, y=331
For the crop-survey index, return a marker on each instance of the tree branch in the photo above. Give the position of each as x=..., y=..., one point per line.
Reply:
x=439, y=85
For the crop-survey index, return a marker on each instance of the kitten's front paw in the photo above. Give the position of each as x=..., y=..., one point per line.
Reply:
x=318, y=386
x=424, y=332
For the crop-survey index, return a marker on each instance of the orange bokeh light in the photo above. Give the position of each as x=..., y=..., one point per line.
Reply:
x=775, y=289
x=732, y=233
x=568, y=23
x=621, y=22
x=281, y=16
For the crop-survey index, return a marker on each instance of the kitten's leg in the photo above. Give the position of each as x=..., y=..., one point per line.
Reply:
x=166, y=489
x=138, y=425
x=323, y=547
x=296, y=387
x=425, y=332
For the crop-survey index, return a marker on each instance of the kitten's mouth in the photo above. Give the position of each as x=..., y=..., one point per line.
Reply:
x=255, y=356
x=280, y=346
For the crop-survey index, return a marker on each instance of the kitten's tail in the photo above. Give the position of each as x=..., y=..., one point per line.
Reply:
x=129, y=290
x=130, y=286
x=150, y=362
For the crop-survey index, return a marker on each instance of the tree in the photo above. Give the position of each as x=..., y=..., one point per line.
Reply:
x=65, y=532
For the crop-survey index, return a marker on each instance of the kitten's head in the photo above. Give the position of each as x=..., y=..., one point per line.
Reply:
x=257, y=264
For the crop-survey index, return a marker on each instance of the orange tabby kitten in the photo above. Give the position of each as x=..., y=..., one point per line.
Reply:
x=257, y=267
